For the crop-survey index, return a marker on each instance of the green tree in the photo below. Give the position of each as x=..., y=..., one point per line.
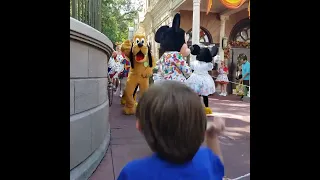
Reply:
x=117, y=16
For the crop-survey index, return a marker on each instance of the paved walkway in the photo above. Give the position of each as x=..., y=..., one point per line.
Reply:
x=127, y=143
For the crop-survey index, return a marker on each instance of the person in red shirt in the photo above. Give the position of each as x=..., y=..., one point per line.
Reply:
x=222, y=78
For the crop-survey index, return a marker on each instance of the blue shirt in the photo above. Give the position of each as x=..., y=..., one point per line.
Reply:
x=245, y=70
x=204, y=166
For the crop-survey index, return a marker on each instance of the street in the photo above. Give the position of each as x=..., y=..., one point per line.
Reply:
x=128, y=144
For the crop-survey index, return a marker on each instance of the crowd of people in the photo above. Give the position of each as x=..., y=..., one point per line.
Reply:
x=119, y=67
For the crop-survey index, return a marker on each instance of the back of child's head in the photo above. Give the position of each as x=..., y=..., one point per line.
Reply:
x=173, y=121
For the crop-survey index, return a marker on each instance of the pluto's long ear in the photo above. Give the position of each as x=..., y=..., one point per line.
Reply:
x=176, y=22
x=160, y=32
x=149, y=56
x=131, y=57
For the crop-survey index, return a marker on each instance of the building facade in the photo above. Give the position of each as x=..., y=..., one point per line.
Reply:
x=220, y=23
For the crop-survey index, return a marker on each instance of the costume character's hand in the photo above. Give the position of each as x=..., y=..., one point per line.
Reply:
x=116, y=75
x=147, y=73
x=114, y=54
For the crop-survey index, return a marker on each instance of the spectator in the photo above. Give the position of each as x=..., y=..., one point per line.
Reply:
x=245, y=73
x=176, y=144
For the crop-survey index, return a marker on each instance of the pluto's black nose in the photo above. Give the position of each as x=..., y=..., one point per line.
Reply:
x=140, y=45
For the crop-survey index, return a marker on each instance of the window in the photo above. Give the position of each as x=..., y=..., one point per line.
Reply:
x=205, y=37
x=241, y=31
x=243, y=35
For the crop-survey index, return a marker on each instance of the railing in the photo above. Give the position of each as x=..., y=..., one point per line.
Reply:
x=87, y=11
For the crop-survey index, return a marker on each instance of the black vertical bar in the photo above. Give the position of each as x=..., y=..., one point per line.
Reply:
x=74, y=11
x=78, y=5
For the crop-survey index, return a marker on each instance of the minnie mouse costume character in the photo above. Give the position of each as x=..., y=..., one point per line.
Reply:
x=171, y=65
x=200, y=80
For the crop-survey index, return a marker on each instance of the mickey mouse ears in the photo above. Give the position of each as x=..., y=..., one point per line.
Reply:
x=176, y=22
x=214, y=51
x=195, y=49
x=164, y=29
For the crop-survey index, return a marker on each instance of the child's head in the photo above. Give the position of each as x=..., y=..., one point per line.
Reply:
x=118, y=47
x=243, y=58
x=172, y=119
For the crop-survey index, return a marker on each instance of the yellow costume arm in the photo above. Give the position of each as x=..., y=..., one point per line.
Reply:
x=149, y=70
x=126, y=47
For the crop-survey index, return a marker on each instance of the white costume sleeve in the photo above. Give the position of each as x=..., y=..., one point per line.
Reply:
x=210, y=66
x=111, y=62
x=192, y=63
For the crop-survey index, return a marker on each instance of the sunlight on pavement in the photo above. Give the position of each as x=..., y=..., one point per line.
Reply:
x=231, y=116
x=234, y=104
x=238, y=129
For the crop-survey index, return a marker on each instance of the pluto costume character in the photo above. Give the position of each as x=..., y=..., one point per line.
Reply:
x=141, y=69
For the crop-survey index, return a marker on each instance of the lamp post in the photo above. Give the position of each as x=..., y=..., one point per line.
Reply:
x=130, y=34
x=135, y=25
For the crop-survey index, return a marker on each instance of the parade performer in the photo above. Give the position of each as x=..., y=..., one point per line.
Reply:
x=116, y=66
x=125, y=49
x=141, y=69
x=222, y=79
x=124, y=67
x=124, y=74
x=171, y=65
x=200, y=80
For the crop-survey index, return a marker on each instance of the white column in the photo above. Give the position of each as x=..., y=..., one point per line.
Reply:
x=130, y=33
x=195, y=24
x=153, y=44
x=223, y=20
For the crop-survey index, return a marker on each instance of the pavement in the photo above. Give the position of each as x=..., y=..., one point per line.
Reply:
x=127, y=143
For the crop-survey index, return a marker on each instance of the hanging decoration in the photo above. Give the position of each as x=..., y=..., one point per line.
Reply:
x=209, y=5
x=232, y=4
x=202, y=34
x=249, y=9
x=235, y=44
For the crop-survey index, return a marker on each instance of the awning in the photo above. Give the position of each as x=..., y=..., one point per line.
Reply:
x=232, y=4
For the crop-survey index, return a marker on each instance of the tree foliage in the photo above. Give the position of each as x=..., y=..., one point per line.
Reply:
x=117, y=16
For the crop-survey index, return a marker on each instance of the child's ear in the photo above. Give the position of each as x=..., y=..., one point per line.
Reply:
x=138, y=125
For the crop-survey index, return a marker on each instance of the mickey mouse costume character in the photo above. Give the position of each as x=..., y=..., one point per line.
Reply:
x=201, y=81
x=171, y=65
